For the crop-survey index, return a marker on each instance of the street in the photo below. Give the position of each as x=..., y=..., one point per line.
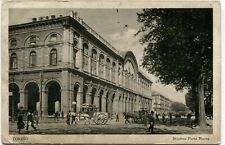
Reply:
x=50, y=126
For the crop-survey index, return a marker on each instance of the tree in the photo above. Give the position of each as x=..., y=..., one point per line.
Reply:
x=179, y=49
x=178, y=107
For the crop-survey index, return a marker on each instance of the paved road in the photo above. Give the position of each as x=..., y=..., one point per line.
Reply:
x=51, y=126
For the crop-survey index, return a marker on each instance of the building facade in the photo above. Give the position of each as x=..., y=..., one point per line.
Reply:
x=161, y=104
x=60, y=63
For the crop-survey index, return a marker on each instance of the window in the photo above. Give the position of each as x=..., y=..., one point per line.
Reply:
x=13, y=43
x=13, y=61
x=33, y=40
x=85, y=57
x=101, y=65
x=94, y=61
x=33, y=58
x=113, y=71
x=53, y=38
x=53, y=57
x=74, y=57
x=107, y=68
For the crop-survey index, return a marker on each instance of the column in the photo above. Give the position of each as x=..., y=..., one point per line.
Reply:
x=21, y=103
x=79, y=55
x=79, y=100
x=44, y=103
x=66, y=92
x=96, y=100
x=104, y=102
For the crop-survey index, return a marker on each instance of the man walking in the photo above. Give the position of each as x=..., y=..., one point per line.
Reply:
x=151, y=122
x=30, y=121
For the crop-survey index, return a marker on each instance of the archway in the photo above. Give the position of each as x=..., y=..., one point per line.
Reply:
x=54, y=97
x=75, y=95
x=32, y=96
x=107, y=101
x=14, y=98
x=85, y=89
x=113, y=104
x=100, y=100
x=93, y=93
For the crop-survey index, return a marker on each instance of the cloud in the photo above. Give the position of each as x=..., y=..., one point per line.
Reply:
x=124, y=41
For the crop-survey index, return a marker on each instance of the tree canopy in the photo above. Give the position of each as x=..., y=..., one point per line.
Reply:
x=179, y=50
x=179, y=44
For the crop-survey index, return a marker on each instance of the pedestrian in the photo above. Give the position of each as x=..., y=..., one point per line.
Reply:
x=68, y=118
x=117, y=117
x=30, y=121
x=163, y=118
x=36, y=117
x=20, y=123
x=157, y=116
x=170, y=115
x=73, y=117
x=151, y=122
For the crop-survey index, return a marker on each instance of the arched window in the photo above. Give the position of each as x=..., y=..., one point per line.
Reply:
x=94, y=61
x=113, y=71
x=85, y=56
x=107, y=73
x=101, y=65
x=13, y=43
x=53, y=57
x=33, y=40
x=53, y=38
x=74, y=57
x=13, y=61
x=33, y=59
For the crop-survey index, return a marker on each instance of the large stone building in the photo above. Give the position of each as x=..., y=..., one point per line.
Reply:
x=161, y=104
x=60, y=63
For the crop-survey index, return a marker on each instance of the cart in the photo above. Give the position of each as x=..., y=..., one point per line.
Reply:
x=90, y=111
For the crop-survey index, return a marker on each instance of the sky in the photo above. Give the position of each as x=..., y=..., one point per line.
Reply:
x=117, y=27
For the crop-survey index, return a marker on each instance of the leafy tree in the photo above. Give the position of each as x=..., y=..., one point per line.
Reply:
x=178, y=107
x=179, y=49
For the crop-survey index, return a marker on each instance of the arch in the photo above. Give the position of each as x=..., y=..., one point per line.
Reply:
x=107, y=102
x=100, y=100
x=14, y=99
x=13, y=61
x=85, y=56
x=108, y=68
x=31, y=92
x=101, y=65
x=53, y=57
x=113, y=71
x=31, y=40
x=85, y=89
x=33, y=59
x=93, y=93
x=13, y=42
x=58, y=38
x=93, y=61
x=53, y=91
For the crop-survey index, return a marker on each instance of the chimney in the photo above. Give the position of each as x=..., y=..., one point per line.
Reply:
x=52, y=16
x=34, y=19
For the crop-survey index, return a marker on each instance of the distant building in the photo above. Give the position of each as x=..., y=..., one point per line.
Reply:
x=60, y=63
x=161, y=104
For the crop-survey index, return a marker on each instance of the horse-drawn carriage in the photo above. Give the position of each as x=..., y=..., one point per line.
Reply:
x=91, y=112
x=137, y=117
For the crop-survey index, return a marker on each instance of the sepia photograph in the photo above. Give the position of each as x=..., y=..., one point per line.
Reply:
x=141, y=71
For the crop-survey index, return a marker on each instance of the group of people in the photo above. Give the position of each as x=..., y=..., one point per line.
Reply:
x=32, y=120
